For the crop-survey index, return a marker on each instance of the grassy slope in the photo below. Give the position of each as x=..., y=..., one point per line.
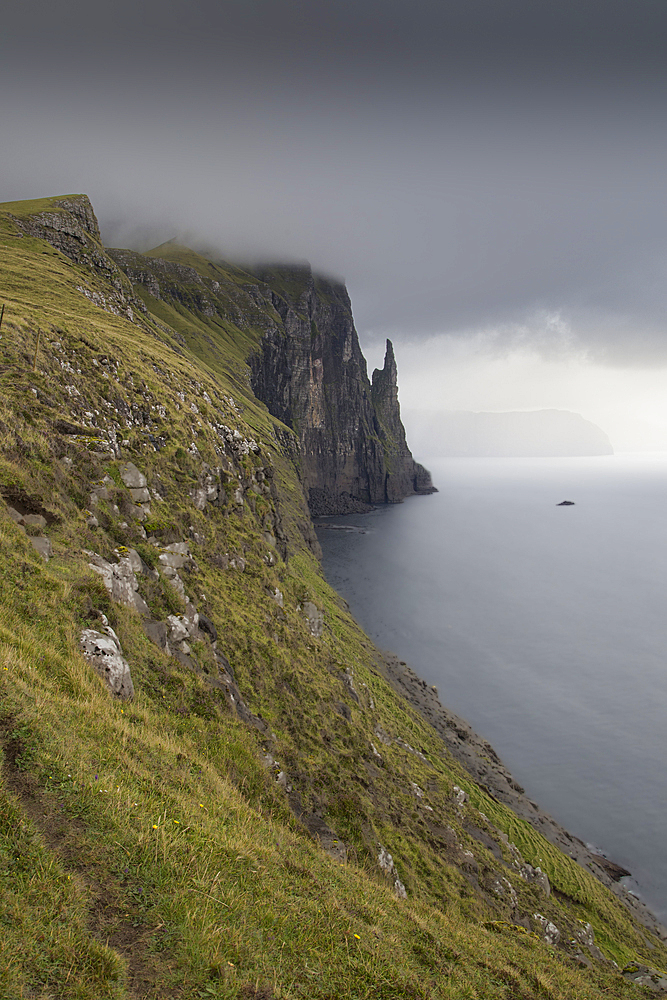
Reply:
x=26, y=209
x=145, y=850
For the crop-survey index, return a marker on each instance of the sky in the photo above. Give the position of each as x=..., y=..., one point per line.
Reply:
x=488, y=176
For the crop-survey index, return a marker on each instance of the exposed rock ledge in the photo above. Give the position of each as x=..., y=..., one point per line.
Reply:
x=485, y=766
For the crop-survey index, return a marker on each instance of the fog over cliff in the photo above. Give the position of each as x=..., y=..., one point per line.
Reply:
x=488, y=178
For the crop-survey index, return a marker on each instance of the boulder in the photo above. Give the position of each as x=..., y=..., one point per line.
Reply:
x=315, y=618
x=460, y=797
x=157, y=633
x=538, y=878
x=140, y=495
x=175, y=580
x=277, y=596
x=36, y=520
x=43, y=547
x=504, y=888
x=181, y=547
x=172, y=559
x=15, y=515
x=175, y=556
x=179, y=628
x=642, y=975
x=103, y=651
x=199, y=498
x=131, y=476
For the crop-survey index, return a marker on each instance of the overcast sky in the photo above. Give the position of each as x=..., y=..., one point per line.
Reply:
x=487, y=175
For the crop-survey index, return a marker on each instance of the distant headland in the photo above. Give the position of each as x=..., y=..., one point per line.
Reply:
x=518, y=434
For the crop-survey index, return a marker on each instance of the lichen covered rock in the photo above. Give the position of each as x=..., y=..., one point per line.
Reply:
x=103, y=651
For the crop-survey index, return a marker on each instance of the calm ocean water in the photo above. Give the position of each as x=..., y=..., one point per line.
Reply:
x=544, y=626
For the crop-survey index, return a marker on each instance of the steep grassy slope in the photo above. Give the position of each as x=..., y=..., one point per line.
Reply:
x=228, y=831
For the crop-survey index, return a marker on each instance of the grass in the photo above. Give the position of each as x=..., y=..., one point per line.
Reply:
x=146, y=850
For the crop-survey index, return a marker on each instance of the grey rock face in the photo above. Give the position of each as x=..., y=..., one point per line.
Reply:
x=179, y=629
x=538, y=878
x=120, y=579
x=504, y=888
x=140, y=495
x=172, y=559
x=550, y=932
x=206, y=625
x=103, y=651
x=70, y=226
x=157, y=633
x=132, y=477
x=42, y=546
x=586, y=934
x=642, y=975
x=36, y=520
x=315, y=618
x=386, y=863
x=311, y=374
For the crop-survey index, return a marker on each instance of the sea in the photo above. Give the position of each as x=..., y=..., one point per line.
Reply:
x=545, y=626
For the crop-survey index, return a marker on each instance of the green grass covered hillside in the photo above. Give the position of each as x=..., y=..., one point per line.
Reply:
x=208, y=790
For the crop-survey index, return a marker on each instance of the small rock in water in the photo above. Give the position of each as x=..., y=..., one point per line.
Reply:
x=565, y=503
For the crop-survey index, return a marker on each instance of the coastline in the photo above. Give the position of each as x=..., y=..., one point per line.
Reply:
x=486, y=768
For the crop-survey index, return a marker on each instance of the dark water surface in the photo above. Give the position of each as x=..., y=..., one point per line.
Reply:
x=544, y=626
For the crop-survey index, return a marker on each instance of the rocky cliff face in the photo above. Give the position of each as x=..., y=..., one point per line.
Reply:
x=310, y=372
x=69, y=224
x=404, y=475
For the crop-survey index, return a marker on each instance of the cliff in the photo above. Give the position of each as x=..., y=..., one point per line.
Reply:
x=298, y=336
x=522, y=434
x=212, y=784
x=310, y=372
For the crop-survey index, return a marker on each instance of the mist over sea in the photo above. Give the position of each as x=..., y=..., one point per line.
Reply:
x=544, y=626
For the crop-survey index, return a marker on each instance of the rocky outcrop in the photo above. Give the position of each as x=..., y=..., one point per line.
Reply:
x=403, y=475
x=103, y=651
x=69, y=224
x=120, y=578
x=310, y=372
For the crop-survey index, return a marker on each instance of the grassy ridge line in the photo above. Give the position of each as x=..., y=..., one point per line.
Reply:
x=183, y=760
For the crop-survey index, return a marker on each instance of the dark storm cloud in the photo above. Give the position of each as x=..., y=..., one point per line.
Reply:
x=462, y=164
